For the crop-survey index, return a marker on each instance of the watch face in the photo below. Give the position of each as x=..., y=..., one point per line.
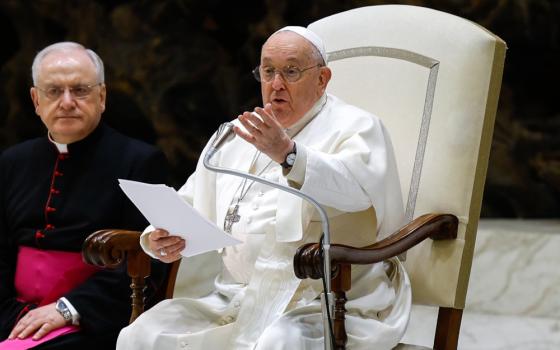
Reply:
x=63, y=310
x=291, y=159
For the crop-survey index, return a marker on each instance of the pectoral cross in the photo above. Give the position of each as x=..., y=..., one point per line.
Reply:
x=231, y=218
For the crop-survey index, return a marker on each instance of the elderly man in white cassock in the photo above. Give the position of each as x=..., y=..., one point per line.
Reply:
x=310, y=140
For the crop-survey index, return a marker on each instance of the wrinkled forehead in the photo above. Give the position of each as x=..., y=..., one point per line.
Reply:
x=286, y=48
x=72, y=63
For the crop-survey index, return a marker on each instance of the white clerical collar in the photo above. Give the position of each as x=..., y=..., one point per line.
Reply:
x=307, y=117
x=62, y=147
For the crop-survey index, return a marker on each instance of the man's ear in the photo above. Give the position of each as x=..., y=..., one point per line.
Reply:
x=35, y=98
x=102, y=97
x=324, y=78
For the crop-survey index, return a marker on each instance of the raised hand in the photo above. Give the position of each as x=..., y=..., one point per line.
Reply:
x=265, y=133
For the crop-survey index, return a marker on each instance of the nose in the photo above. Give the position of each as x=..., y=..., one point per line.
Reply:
x=66, y=100
x=278, y=81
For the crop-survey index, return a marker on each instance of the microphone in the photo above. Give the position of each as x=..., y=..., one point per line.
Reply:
x=224, y=134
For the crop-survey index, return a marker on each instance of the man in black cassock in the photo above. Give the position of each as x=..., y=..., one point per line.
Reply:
x=55, y=191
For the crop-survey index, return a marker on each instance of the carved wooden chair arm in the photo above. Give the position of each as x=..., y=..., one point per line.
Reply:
x=308, y=258
x=111, y=248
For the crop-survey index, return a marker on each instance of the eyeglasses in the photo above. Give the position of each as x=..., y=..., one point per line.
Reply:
x=290, y=74
x=78, y=91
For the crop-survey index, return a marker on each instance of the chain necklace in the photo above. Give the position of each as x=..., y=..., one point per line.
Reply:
x=232, y=215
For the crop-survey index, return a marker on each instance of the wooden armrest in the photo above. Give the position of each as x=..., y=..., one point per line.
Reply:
x=308, y=260
x=111, y=248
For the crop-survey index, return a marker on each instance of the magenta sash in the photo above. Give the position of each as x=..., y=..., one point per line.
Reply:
x=43, y=276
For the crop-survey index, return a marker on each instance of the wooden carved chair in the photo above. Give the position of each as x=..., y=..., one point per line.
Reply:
x=434, y=79
x=111, y=248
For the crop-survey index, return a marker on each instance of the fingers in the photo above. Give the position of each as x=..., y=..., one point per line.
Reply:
x=160, y=238
x=245, y=136
x=169, y=244
x=157, y=234
x=43, y=330
x=254, y=125
x=171, y=253
x=38, y=322
x=167, y=248
x=267, y=115
x=268, y=109
x=22, y=330
x=256, y=119
x=260, y=120
x=153, y=238
x=169, y=256
x=17, y=330
x=260, y=127
x=175, y=249
x=25, y=326
x=263, y=131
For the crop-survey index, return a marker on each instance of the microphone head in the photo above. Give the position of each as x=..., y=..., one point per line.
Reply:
x=225, y=133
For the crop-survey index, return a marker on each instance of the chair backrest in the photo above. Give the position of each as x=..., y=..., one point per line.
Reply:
x=434, y=80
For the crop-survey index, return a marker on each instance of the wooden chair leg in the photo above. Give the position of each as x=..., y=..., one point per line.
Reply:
x=447, y=329
x=138, y=266
x=138, y=287
x=340, y=285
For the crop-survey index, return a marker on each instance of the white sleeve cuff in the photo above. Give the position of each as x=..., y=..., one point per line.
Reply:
x=296, y=175
x=144, y=242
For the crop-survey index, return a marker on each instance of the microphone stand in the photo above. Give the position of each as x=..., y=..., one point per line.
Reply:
x=326, y=296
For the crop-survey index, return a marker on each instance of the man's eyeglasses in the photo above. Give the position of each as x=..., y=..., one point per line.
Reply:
x=77, y=91
x=290, y=74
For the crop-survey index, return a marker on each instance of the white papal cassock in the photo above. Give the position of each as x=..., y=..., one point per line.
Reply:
x=247, y=297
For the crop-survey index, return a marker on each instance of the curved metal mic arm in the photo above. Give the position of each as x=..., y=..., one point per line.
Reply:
x=324, y=218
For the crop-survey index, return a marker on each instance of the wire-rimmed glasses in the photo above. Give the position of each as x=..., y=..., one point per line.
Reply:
x=77, y=91
x=291, y=74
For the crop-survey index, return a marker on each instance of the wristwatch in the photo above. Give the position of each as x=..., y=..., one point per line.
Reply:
x=290, y=158
x=64, y=311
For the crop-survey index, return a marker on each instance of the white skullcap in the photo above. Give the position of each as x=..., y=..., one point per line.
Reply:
x=309, y=36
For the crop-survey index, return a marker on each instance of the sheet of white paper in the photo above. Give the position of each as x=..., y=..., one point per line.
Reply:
x=162, y=206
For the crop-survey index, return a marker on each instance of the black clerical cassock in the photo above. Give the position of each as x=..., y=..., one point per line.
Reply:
x=53, y=201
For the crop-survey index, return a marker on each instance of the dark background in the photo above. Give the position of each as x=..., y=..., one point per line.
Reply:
x=177, y=69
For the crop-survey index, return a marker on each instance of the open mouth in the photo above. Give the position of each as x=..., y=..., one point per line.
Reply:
x=278, y=100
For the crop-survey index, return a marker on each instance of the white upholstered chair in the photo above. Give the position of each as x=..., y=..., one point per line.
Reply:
x=434, y=79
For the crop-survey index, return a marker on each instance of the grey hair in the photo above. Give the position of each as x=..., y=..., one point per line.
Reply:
x=67, y=45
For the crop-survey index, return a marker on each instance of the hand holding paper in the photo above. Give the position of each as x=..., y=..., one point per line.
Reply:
x=162, y=206
x=167, y=248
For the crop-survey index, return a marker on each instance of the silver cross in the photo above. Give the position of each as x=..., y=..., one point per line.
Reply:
x=231, y=218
